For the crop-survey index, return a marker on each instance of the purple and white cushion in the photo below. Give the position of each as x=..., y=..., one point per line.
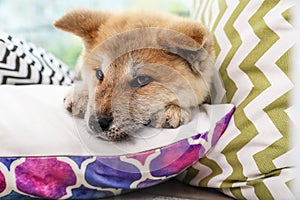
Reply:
x=45, y=152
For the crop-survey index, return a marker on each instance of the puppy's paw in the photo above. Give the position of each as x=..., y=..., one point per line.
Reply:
x=172, y=117
x=68, y=102
x=76, y=103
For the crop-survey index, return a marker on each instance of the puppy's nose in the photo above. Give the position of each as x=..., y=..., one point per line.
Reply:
x=101, y=120
x=104, y=122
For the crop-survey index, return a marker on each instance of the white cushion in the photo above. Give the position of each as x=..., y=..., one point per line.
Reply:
x=33, y=122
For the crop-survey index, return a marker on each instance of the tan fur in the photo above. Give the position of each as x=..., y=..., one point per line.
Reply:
x=176, y=52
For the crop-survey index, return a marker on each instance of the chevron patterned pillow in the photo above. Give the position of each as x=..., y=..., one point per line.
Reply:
x=253, y=39
x=22, y=63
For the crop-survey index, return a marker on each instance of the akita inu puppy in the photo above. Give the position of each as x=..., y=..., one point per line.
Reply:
x=138, y=68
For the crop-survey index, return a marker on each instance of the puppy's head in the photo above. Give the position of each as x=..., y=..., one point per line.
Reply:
x=141, y=69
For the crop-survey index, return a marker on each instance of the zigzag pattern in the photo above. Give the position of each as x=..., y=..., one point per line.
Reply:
x=252, y=159
x=23, y=63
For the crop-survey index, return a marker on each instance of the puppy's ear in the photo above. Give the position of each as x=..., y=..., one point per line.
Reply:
x=83, y=23
x=191, y=41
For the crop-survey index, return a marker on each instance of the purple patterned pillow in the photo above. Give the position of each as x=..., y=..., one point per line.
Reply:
x=52, y=165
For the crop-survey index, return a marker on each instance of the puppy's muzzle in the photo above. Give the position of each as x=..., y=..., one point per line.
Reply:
x=99, y=123
x=103, y=127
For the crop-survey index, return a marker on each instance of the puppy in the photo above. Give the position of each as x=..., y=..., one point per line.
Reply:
x=137, y=69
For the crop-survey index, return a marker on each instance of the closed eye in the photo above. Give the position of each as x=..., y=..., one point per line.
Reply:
x=140, y=81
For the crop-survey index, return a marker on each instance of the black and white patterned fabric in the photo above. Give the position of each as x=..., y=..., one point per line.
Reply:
x=22, y=63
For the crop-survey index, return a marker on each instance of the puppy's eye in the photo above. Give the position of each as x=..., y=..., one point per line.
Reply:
x=99, y=74
x=140, y=81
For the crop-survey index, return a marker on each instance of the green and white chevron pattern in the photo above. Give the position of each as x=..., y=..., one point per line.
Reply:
x=252, y=160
